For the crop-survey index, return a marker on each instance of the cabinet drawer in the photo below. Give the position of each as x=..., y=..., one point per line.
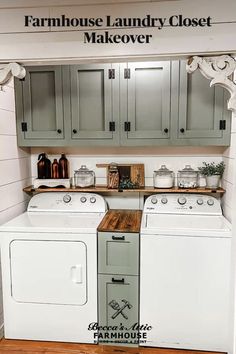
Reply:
x=118, y=305
x=118, y=253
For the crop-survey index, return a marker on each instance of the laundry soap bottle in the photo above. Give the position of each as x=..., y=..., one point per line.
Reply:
x=63, y=167
x=44, y=166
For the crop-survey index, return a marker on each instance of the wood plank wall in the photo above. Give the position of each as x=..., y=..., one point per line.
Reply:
x=15, y=167
x=229, y=157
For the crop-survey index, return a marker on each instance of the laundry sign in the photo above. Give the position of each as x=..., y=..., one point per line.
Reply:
x=98, y=28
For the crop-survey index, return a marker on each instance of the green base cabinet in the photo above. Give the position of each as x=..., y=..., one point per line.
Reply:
x=118, y=253
x=118, y=308
x=118, y=287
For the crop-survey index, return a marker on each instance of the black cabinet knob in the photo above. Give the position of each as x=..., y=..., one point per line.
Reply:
x=59, y=131
x=74, y=131
x=166, y=130
x=182, y=130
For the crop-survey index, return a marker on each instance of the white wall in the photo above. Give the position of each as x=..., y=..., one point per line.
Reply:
x=15, y=168
x=29, y=44
x=152, y=161
x=174, y=158
x=229, y=157
x=229, y=208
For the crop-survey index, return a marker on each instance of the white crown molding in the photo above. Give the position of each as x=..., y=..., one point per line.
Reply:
x=219, y=70
x=7, y=71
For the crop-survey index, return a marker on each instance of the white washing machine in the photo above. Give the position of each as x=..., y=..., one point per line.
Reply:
x=185, y=272
x=49, y=268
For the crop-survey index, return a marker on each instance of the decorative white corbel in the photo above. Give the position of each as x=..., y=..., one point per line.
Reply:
x=7, y=71
x=219, y=70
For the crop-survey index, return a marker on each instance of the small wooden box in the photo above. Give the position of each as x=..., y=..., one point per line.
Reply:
x=134, y=171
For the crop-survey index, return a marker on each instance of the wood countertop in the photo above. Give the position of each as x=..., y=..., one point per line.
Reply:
x=118, y=220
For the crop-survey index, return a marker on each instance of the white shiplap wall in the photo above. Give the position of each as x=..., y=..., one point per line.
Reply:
x=174, y=158
x=15, y=167
x=229, y=209
x=152, y=162
x=44, y=44
x=229, y=157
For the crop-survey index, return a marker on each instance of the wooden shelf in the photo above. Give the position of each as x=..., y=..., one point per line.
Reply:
x=104, y=189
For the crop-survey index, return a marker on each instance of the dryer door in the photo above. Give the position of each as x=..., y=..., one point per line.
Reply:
x=52, y=272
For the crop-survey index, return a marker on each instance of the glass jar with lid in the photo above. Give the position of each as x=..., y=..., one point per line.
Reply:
x=163, y=178
x=113, y=176
x=188, y=177
x=84, y=177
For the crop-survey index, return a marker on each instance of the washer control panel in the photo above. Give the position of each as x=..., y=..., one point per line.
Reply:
x=74, y=202
x=182, y=203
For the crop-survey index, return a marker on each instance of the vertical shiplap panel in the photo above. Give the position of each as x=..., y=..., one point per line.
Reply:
x=229, y=209
x=151, y=163
x=15, y=166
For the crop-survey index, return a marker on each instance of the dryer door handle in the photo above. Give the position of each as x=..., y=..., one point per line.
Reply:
x=76, y=274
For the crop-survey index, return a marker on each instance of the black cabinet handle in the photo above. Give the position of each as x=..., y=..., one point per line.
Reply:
x=166, y=130
x=182, y=130
x=118, y=280
x=112, y=126
x=127, y=126
x=59, y=131
x=119, y=238
x=74, y=131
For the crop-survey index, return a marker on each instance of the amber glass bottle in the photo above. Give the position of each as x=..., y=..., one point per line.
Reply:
x=44, y=166
x=63, y=167
x=55, y=169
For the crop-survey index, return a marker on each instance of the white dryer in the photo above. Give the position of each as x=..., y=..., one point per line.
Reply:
x=49, y=268
x=185, y=272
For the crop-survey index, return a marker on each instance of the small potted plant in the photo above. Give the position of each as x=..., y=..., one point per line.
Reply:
x=213, y=173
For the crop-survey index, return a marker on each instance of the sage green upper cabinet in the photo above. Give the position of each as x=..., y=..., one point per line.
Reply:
x=203, y=118
x=94, y=104
x=128, y=104
x=145, y=103
x=39, y=107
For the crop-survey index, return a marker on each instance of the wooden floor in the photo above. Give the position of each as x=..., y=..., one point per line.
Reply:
x=32, y=347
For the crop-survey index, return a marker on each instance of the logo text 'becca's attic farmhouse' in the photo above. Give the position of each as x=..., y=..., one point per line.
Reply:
x=102, y=25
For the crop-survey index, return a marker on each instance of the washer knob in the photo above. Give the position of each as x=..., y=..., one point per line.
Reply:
x=154, y=200
x=83, y=199
x=66, y=198
x=199, y=201
x=210, y=202
x=93, y=200
x=182, y=200
x=164, y=200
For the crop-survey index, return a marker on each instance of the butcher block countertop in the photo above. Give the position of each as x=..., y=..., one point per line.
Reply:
x=118, y=220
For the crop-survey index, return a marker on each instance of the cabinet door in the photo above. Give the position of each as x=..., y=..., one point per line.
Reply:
x=202, y=109
x=39, y=104
x=145, y=102
x=118, y=306
x=94, y=107
x=118, y=253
